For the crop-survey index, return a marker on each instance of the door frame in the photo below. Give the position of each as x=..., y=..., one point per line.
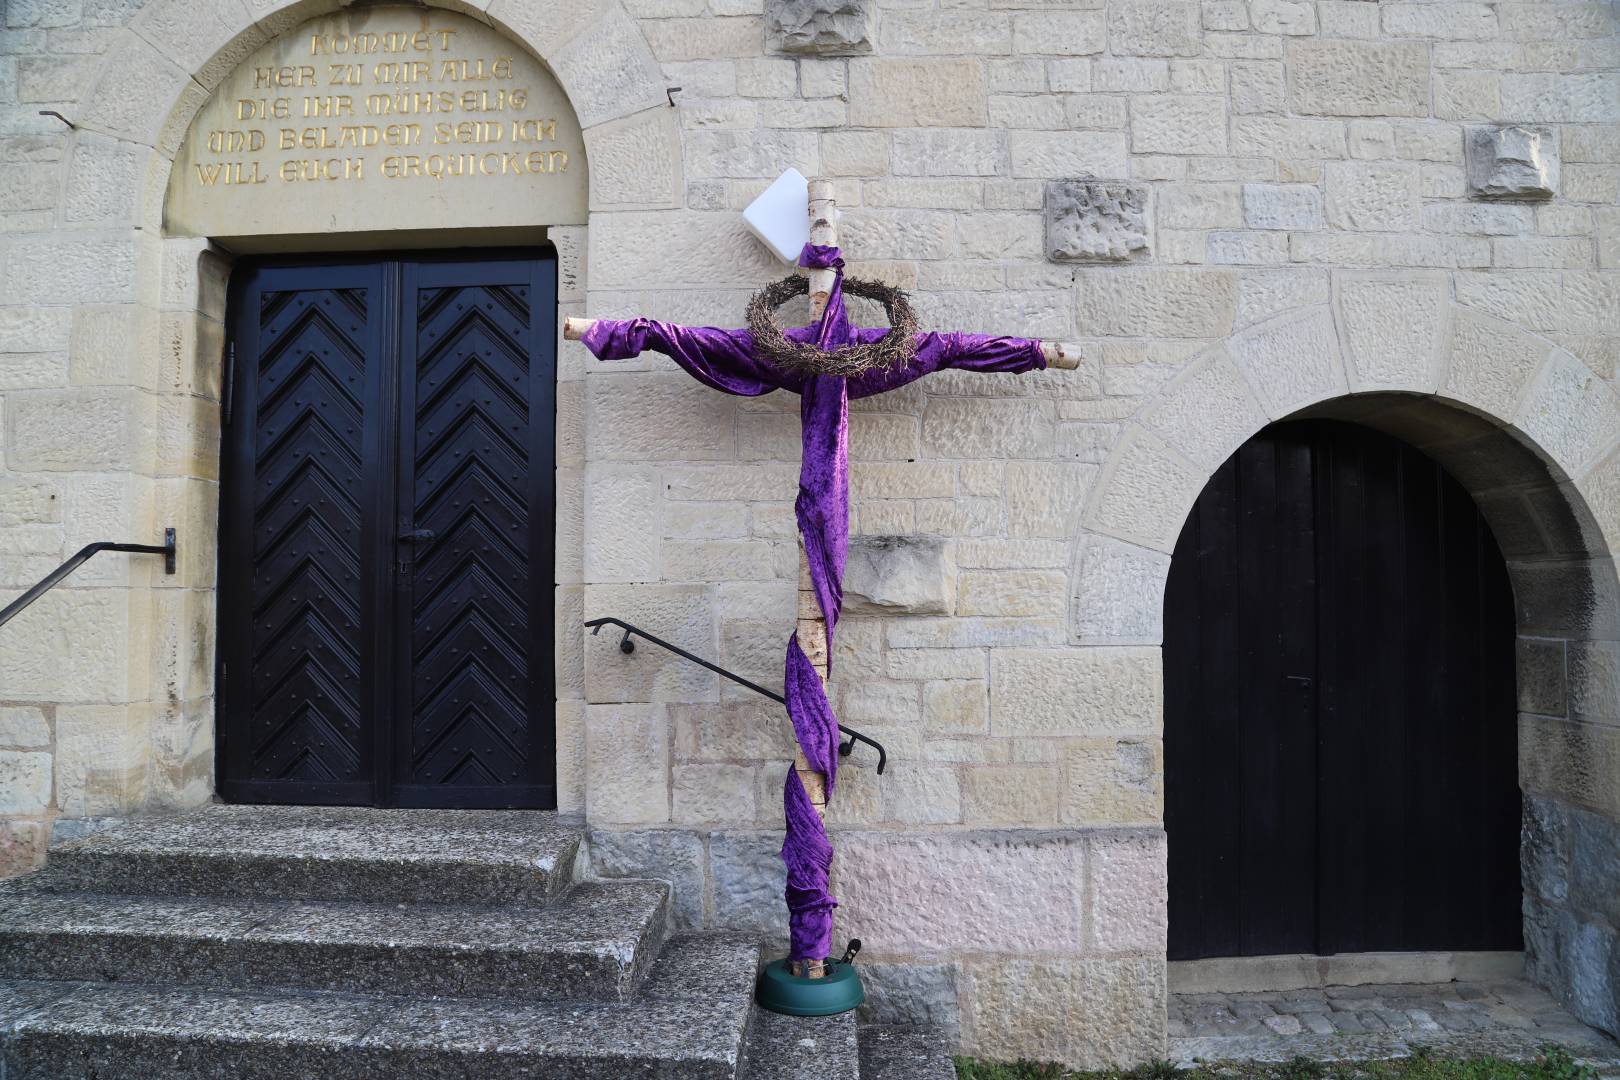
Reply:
x=386, y=681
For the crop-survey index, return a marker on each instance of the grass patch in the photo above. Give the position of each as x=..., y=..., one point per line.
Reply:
x=1554, y=1063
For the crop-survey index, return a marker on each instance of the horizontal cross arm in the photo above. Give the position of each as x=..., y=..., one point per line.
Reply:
x=1058, y=354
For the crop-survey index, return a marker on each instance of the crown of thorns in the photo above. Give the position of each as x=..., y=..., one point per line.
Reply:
x=894, y=349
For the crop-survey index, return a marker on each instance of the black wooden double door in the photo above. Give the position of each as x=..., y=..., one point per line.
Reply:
x=386, y=533
x=1339, y=707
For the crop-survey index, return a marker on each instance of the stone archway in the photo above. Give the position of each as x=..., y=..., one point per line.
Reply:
x=158, y=303
x=1531, y=431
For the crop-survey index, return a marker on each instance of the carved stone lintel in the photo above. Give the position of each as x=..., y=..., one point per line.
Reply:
x=1095, y=220
x=1513, y=162
x=820, y=27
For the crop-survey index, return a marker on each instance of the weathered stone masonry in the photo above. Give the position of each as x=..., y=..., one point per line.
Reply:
x=1298, y=217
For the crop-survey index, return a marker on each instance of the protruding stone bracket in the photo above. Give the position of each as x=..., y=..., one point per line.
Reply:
x=1095, y=220
x=819, y=27
x=1515, y=162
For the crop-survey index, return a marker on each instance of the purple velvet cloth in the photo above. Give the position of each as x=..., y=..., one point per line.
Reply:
x=725, y=360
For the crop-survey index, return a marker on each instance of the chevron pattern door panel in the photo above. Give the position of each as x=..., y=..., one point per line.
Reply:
x=480, y=419
x=386, y=534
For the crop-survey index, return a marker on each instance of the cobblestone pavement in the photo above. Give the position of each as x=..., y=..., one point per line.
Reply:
x=1511, y=1019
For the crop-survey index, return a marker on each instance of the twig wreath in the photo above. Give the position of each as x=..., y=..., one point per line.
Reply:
x=894, y=349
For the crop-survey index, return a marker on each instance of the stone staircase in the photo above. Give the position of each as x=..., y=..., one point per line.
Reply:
x=302, y=941
x=318, y=942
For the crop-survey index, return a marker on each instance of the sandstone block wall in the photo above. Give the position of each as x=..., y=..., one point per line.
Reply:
x=1298, y=226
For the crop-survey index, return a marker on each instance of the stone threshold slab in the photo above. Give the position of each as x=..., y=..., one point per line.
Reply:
x=1303, y=971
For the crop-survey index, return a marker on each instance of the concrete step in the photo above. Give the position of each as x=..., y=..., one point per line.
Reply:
x=689, y=1021
x=595, y=942
x=795, y=1047
x=326, y=853
x=907, y=1053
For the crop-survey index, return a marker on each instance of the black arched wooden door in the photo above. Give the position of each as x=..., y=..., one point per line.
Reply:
x=1340, y=717
x=386, y=533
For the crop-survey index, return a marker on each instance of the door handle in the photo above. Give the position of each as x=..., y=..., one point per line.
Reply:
x=414, y=535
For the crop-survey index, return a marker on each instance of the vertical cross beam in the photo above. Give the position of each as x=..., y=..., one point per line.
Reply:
x=811, y=623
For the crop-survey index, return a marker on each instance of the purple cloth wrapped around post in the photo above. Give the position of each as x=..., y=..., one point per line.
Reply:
x=725, y=360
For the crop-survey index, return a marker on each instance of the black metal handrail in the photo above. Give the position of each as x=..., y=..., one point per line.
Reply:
x=845, y=748
x=52, y=579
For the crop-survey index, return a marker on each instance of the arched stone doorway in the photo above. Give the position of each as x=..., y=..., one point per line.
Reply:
x=164, y=295
x=1530, y=432
x=1340, y=708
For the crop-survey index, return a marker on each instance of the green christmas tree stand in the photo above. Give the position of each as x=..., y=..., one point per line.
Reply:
x=781, y=991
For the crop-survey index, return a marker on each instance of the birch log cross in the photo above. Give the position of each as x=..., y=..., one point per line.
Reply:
x=731, y=361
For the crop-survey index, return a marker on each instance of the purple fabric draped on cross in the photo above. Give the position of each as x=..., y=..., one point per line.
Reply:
x=725, y=360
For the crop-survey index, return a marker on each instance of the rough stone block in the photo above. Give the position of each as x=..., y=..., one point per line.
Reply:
x=22, y=846
x=636, y=161
x=71, y=268
x=1168, y=303
x=1282, y=206
x=1541, y=676
x=1010, y=795
x=1594, y=871
x=917, y=893
x=622, y=522
x=1113, y=1010
x=748, y=877
x=956, y=707
x=626, y=764
x=899, y=574
x=1358, y=78
x=946, y=152
x=1490, y=361
x=103, y=758
x=1028, y=593
x=1512, y=162
x=1090, y=220
x=1113, y=782
x=23, y=726
x=1291, y=361
x=1119, y=593
x=1040, y=155
x=1145, y=492
x=1199, y=206
x=1178, y=124
x=629, y=249
x=25, y=782
x=1045, y=498
x=1283, y=17
x=1392, y=326
x=994, y=428
x=910, y=994
x=922, y=794
x=608, y=70
x=1287, y=137
x=1594, y=680
x=1561, y=97
x=72, y=644
x=923, y=92
x=717, y=794
x=1373, y=196
x=819, y=27
x=138, y=86
x=1570, y=412
x=1544, y=847
x=1207, y=411
x=1571, y=762
x=671, y=855
x=1129, y=896
x=1089, y=691
x=855, y=153
x=1155, y=28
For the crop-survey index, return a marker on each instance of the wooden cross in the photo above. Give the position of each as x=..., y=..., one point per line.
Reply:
x=811, y=622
